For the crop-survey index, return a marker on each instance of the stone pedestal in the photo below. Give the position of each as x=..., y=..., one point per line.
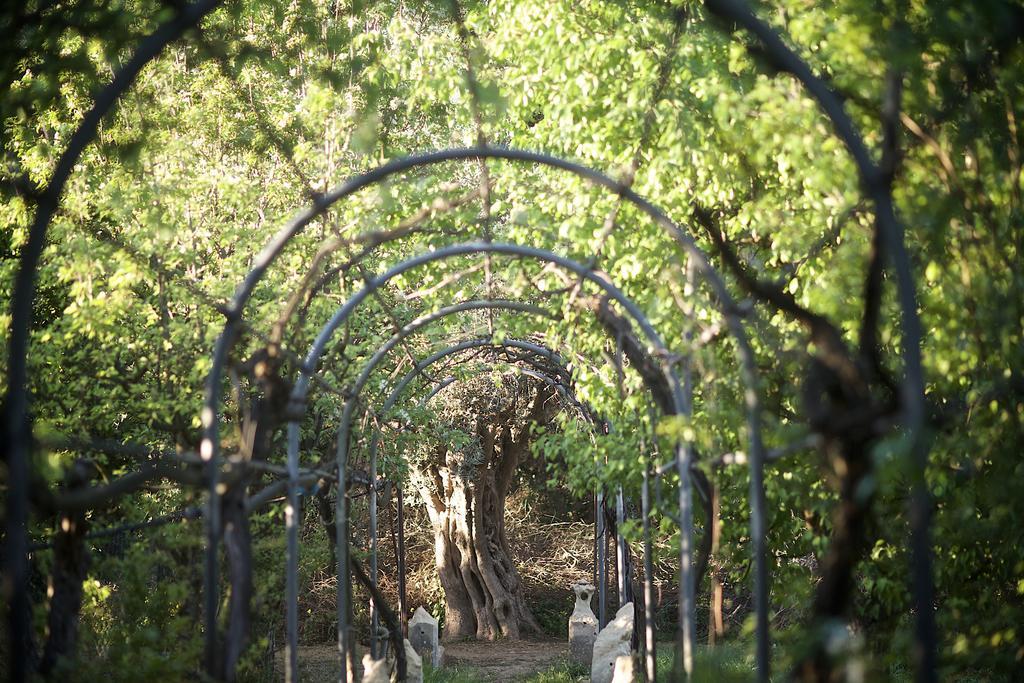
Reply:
x=611, y=643
x=582, y=625
x=423, y=636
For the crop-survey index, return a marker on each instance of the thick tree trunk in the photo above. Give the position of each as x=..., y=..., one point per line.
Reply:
x=483, y=591
x=450, y=532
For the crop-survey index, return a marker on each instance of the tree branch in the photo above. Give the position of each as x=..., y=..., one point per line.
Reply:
x=831, y=348
x=394, y=628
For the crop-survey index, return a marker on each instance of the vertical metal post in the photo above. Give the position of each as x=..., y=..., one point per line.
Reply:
x=684, y=460
x=374, y=619
x=687, y=635
x=403, y=605
x=291, y=511
x=352, y=672
x=596, y=536
x=758, y=529
x=620, y=547
x=650, y=660
x=341, y=537
x=602, y=564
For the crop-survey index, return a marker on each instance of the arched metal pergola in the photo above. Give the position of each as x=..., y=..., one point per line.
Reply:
x=18, y=421
x=679, y=401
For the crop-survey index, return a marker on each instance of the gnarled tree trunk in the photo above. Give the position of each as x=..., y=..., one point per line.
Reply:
x=466, y=503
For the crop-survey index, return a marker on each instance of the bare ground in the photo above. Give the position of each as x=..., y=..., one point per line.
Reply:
x=505, y=661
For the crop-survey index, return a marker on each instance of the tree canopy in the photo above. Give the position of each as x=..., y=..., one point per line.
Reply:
x=266, y=106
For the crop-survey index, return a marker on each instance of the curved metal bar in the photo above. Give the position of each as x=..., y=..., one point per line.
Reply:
x=423, y=321
x=564, y=393
x=680, y=406
x=210, y=415
x=562, y=389
x=479, y=342
x=298, y=395
x=438, y=388
x=17, y=423
x=341, y=521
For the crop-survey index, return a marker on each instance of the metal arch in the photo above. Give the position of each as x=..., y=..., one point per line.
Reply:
x=341, y=519
x=567, y=398
x=684, y=454
x=562, y=389
x=17, y=422
x=420, y=367
x=536, y=349
x=292, y=507
x=586, y=414
x=423, y=321
x=298, y=395
x=209, y=448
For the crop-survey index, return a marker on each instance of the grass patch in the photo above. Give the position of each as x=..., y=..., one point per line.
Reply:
x=725, y=662
x=566, y=671
x=449, y=674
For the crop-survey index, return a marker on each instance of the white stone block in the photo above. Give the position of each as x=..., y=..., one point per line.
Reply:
x=375, y=670
x=611, y=643
x=413, y=665
x=624, y=671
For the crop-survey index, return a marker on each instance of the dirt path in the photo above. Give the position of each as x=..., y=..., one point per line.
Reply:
x=506, y=660
x=501, y=662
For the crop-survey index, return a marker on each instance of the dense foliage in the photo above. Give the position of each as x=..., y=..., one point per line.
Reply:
x=234, y=129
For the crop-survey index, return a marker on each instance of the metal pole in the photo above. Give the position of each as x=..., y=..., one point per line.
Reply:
x=684, y=460
x=620, y=546
x=341, y=536
x=602, y=564
x=403, y=605
x=758, y=529
x=291, y=660
x=374, y=620
x=596, y=535
x=687, y=635
x=650, y=659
